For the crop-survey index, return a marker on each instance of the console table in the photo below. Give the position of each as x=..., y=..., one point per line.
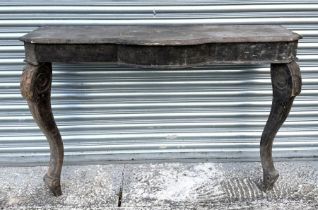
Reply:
x=159, y=46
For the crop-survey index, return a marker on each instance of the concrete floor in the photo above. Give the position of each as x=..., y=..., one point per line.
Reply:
x=198, y=185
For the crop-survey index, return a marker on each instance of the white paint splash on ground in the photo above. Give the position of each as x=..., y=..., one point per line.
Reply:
x=177, y=182
x=183, y=186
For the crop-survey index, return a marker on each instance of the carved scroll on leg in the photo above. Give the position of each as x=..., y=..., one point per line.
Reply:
x=36, y=89
x=286, y=82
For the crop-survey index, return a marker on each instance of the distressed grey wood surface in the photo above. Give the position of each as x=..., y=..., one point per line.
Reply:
x=162, y=46
x=160, y=35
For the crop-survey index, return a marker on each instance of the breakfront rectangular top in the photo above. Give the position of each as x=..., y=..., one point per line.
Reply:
x=160, y=34
x=163, y=46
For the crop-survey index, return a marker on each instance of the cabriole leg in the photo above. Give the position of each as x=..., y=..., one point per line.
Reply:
x=286, y=83
x=36, y=89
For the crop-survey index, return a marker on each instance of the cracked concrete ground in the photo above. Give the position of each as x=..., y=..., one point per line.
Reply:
x=179, y=185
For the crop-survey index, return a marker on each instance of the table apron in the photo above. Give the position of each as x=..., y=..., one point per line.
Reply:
x=164, y=56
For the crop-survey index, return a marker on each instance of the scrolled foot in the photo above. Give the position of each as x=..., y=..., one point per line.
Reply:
x=269, y=179
x=53, y=184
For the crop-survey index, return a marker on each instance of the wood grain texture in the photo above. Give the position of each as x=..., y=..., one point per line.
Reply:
x=164, y=56
x=36, y=89
x=159, y=35
x=162, y=46
x=286, y=82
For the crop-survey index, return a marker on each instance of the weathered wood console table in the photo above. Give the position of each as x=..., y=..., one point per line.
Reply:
x=160, y=47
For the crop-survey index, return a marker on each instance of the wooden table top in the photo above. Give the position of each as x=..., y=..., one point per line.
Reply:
x=160, y=35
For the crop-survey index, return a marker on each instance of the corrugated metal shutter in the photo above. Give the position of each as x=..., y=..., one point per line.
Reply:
x=106, y=112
